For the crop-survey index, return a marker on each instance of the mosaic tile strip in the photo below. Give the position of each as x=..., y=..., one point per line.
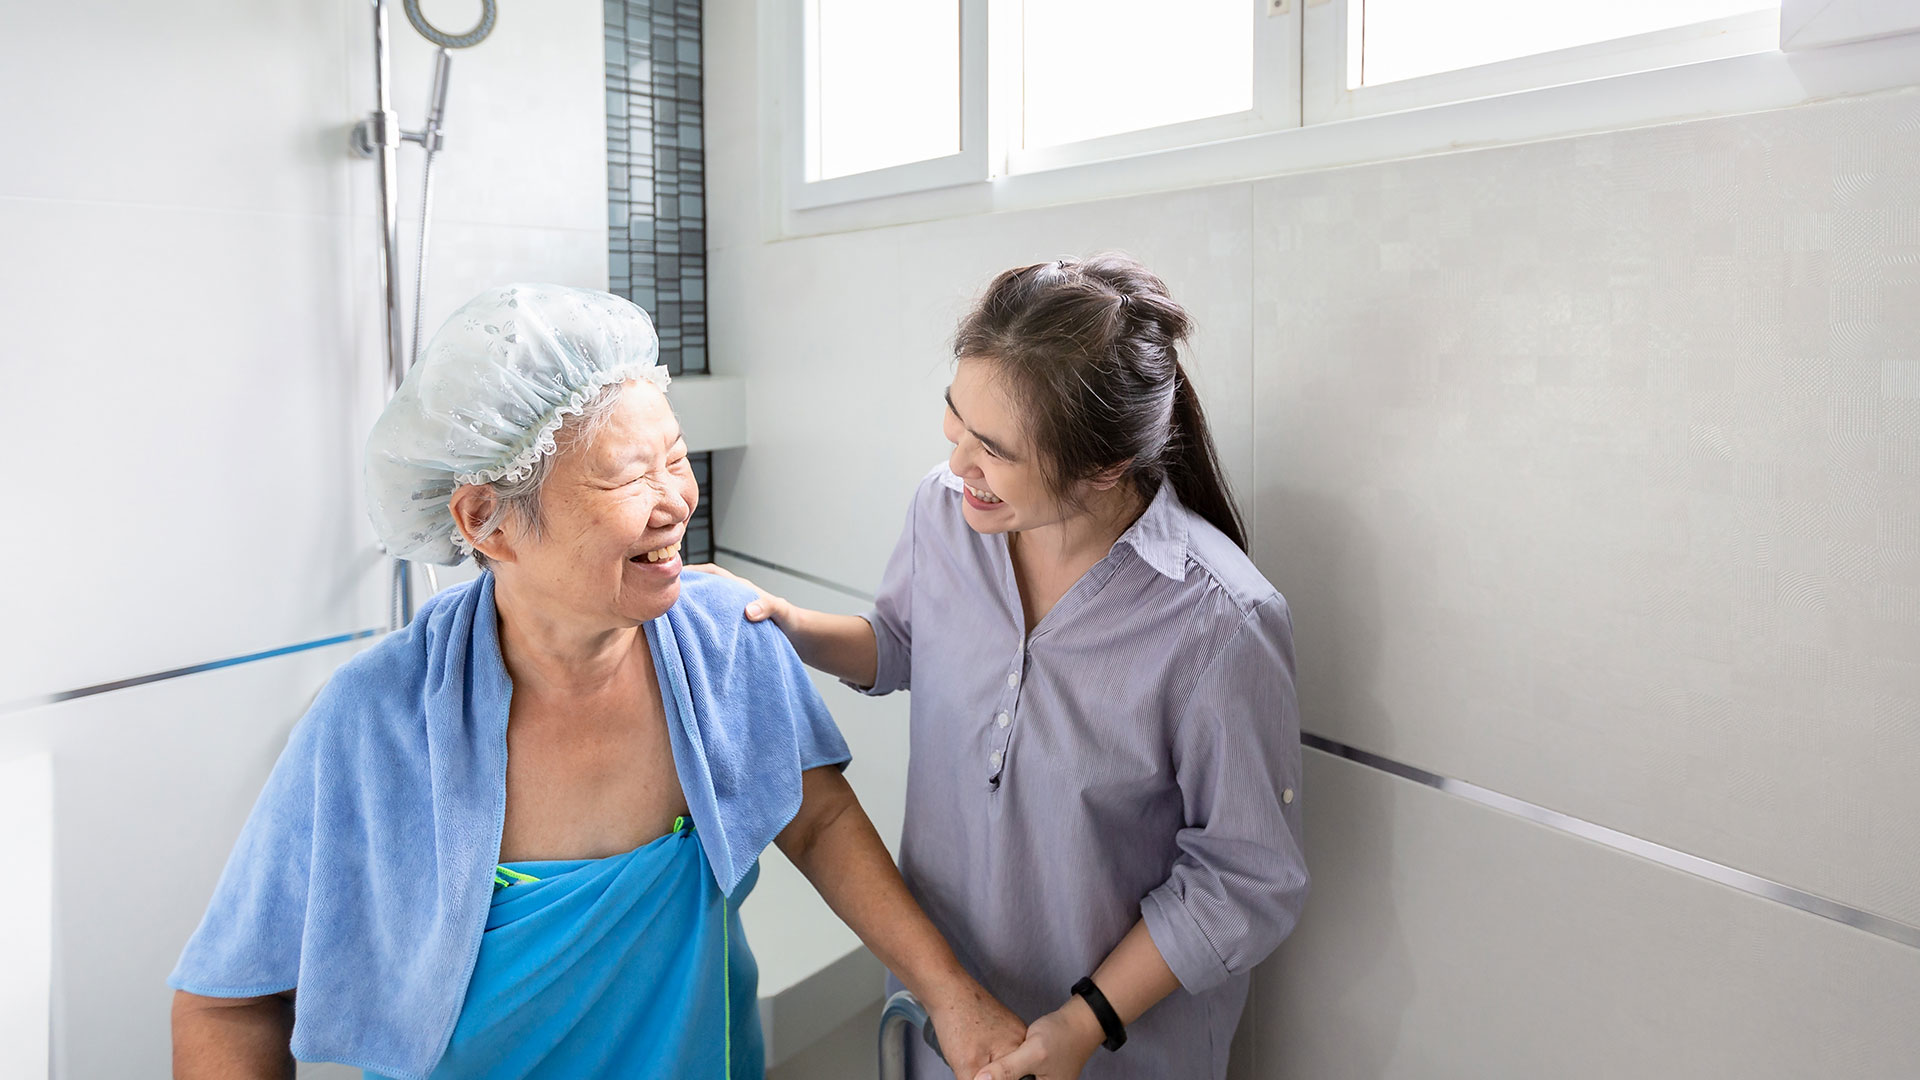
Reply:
x=656, y=171
x=656, y=190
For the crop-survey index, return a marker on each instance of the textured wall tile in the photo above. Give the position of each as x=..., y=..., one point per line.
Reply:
x=1590, y=468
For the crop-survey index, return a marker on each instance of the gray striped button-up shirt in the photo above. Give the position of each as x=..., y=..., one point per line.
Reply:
x=1137, y=755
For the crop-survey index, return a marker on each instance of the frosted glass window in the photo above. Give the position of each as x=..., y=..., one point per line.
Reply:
x=1101, y=67
x=887, y=85
x=1404, y=39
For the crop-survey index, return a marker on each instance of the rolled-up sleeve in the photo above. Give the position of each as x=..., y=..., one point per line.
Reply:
x=892, y=614
x=1240, y=879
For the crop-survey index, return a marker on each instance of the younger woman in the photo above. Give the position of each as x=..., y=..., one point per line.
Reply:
x=1102, y=796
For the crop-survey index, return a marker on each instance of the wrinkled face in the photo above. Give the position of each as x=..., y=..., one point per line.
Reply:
x=1006, y=489
x=613, y=513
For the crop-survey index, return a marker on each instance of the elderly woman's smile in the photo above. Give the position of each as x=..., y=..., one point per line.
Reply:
x=671, y=551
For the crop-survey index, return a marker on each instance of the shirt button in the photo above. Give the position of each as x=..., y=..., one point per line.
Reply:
x=1287, y=796
x=1003, y=720
x=997, y=758
x=1013, y=679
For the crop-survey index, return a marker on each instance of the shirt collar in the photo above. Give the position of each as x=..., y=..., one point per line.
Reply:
x=1159, y=536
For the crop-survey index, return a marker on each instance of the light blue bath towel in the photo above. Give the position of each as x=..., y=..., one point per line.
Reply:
x=365, y=873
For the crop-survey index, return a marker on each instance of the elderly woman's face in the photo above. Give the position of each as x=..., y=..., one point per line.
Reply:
x=613, y=512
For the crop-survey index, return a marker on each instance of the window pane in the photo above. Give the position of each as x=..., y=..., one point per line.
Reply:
x=1404, y=39
x=1100, y=67
x=888, y=84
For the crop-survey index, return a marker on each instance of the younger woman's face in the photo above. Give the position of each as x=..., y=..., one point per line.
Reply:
x=993, y=457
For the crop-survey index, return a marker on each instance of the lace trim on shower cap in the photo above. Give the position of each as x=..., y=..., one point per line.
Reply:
x=542, y=441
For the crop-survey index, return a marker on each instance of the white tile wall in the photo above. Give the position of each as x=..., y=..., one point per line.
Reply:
x=26, y=911
x=154, y=784
x=185, y=393
x=737, y=206
x=1447, y=939
x=204, y=103
x=1592, y=471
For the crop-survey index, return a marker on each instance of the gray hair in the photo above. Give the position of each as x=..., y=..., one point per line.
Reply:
x=518, y=501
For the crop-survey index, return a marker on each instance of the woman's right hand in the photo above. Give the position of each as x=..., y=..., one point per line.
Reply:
x=840, y=645
x=974, y=1029
x=768, y=606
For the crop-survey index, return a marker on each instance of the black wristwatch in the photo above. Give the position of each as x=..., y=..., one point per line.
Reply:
x=1103, y=1012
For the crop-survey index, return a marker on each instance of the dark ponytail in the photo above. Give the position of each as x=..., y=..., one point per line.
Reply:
x=1092, y=349
x=1194, y=465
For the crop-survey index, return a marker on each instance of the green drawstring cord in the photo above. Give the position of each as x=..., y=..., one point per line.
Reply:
x=726, y=975
x=503, y=877
x=681, y=824
x=515, y=877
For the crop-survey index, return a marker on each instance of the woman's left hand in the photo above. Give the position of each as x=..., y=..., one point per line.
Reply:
x=974, y=1029
x=1057, y=1047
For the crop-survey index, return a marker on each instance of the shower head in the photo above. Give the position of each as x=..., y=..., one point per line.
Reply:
x=451, y=41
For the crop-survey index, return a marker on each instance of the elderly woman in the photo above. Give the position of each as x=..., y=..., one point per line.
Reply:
x=512, y=841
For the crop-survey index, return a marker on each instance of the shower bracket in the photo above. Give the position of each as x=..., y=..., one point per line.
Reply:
x=369, y=135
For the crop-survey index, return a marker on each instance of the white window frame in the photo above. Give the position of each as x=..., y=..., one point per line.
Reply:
x=1332, y=37
x=802, y=148
x=1828, y=48
x=991, y=108
x=1276, y=96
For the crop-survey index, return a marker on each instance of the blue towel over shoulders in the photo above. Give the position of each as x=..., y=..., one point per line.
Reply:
x=365, y=873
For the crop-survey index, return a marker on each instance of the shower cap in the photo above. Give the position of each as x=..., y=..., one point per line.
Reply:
x=486, y=398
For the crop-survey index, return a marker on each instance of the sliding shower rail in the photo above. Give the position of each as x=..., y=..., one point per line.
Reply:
x=379, y=137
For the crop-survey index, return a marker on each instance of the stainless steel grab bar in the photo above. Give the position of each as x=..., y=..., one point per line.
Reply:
x=903, y=1012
